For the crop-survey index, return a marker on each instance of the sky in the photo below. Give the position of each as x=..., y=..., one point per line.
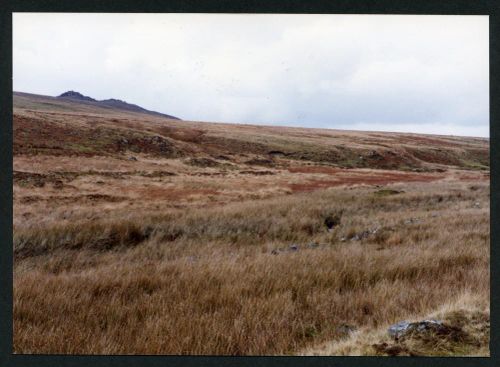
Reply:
x=407, y=73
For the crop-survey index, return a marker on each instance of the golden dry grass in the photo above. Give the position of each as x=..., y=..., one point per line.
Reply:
x=170, y=255
x=205, y=282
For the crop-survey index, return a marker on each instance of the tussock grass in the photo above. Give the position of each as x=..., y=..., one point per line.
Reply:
x=467, y=332
x=193, y=281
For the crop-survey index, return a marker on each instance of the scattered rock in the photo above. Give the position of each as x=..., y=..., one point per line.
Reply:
x=312, y=245
x=404, y=328
x=132, y=158
x=397, y=330
x=360, y=236
x=411, y=221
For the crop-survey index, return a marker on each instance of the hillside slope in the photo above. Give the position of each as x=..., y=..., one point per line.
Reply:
x=74, y=101
x=45, y=125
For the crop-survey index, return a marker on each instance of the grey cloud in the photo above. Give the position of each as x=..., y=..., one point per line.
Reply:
x=405, y=73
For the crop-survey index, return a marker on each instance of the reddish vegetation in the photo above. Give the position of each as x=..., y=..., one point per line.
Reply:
x=368, y=178
x=314, y=169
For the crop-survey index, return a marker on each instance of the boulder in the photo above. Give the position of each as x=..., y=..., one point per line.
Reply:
x=404, y=328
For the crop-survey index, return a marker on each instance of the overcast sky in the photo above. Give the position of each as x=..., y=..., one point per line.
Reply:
x=425, y=74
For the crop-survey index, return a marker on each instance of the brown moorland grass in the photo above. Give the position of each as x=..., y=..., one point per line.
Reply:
x=207, y=282
x=140, y=235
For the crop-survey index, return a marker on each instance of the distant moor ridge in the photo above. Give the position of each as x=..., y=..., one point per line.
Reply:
x=113, y=103
x=75, y=124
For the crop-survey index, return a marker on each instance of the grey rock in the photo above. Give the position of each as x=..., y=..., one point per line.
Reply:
x=411, y=221
x=397, y=330
x=403, y=328
x=312, y=245
x=293, y=248
x=132, y=158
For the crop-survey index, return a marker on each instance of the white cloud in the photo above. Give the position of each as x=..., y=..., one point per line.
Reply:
x=406, y=73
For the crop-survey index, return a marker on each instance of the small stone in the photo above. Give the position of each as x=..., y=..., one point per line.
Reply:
x=293, y=247
x=131, y=158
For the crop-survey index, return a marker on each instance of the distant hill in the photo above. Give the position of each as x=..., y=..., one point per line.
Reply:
x=113, y=103
x=75, y=95
x=74, y=125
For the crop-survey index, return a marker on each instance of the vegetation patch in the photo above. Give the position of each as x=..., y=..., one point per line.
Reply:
x=387, y=192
